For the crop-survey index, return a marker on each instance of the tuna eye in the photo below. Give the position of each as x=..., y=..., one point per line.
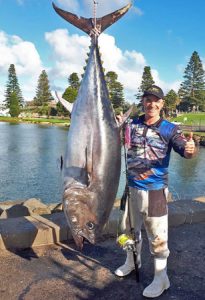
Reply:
x=90, y=225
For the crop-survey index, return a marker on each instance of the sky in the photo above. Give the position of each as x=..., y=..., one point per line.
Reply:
x=161, y=34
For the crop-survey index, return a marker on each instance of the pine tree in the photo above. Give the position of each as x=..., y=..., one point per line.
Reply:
x=14, y=108
x=74, y=81
x=146, y=82
x=191, y=89
x=116, y=91
x=71, y=92
x=12, y=87
x=43, y=94
x=171, y=101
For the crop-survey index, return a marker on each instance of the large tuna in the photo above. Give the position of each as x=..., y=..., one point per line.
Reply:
x=93, y=158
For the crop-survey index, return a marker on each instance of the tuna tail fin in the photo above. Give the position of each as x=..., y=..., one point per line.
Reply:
x=87, y=25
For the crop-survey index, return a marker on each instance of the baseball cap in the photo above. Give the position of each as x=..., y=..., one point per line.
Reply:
x=154, y=90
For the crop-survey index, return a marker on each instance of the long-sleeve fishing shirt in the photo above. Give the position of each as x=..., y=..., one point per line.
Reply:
x=149, y=152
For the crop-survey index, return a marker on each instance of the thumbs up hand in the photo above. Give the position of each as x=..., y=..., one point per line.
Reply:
x=190, y=147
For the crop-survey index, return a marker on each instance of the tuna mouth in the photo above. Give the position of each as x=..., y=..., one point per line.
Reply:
x=90, y=238
x=79, y=241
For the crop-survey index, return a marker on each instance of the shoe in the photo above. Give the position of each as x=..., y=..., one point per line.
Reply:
x=160, y=282
x=129, y=266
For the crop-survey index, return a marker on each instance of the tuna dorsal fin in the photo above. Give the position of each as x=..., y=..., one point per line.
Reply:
x=86, y=24
x=66, y=104
x=126, y=116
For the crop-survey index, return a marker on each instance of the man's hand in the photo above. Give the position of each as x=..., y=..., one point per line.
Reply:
x=190, y=148
x=119, y=118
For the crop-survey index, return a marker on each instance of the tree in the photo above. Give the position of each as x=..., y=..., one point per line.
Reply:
x=43, y=94
x=71, y=92
x=146, y=82
x=171, y=101
x=74, y=81
x=116, y=91
x=191, y=88
x=14, y=108
x=12, y=87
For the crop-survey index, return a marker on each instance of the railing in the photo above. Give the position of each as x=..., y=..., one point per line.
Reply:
x=196, y=128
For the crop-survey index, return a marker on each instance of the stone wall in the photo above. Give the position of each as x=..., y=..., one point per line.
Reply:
x=29, y=207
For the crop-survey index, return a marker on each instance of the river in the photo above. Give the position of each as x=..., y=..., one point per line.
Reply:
x=30, y=167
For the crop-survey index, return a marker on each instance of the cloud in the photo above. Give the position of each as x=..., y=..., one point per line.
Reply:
x=25, y=57
x=85, y=7
x=128, y=65
x=69, y=4
x=69, y=53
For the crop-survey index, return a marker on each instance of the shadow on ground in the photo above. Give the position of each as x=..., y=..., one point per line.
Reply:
x=61, y=272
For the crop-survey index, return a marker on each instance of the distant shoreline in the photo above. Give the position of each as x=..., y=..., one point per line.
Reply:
x=41, y=121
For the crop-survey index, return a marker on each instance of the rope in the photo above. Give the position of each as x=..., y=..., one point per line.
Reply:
x=95, y=3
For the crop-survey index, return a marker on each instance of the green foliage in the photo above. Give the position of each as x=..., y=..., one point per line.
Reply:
x=12, y=87
x=43, y=94
x=44, y=110
x=191, y=89
x=70, y=94
x=136, y=111
x=115, y=89
x=61, y=111
x=74, y=81
x=14, y=108
x=171, y=101
x=147, y=81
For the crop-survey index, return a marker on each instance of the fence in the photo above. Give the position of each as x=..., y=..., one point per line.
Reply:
x=196, y=128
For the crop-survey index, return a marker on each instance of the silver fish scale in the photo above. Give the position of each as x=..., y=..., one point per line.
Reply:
x=93, y=156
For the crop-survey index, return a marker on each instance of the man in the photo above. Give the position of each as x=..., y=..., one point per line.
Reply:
x=151, y=139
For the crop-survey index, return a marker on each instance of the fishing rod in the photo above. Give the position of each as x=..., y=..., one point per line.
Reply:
x=128, y=242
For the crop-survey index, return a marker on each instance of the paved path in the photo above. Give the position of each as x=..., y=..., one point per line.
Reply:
x=60, y=272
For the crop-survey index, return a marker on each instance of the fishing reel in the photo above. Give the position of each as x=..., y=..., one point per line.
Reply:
x=126, y=242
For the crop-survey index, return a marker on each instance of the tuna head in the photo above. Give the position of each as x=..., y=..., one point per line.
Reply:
x=79, y=210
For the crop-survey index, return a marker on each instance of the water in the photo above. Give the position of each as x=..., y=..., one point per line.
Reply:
x=29, y=165
x=29, y=161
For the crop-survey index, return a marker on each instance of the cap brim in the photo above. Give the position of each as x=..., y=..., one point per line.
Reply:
x=152, y=94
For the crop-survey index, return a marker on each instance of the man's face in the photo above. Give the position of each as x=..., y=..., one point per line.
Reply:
x=152, y=106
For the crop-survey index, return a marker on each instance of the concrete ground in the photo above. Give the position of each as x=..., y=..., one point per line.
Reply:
x=61, y=272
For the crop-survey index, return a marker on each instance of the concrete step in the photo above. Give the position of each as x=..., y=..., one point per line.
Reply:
x=32, y=231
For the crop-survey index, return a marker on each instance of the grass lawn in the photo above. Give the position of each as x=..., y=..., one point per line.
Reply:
x=191, y=119
x=34, y=120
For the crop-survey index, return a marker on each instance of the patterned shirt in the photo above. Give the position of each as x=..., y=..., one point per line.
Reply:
x=149, y=153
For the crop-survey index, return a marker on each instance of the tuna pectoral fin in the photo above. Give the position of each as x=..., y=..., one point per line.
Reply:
x=68, y=106
x=126, y=116
x=87, y=25
x=88, y=167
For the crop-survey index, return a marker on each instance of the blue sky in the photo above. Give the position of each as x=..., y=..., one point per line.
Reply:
x=158, y=33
